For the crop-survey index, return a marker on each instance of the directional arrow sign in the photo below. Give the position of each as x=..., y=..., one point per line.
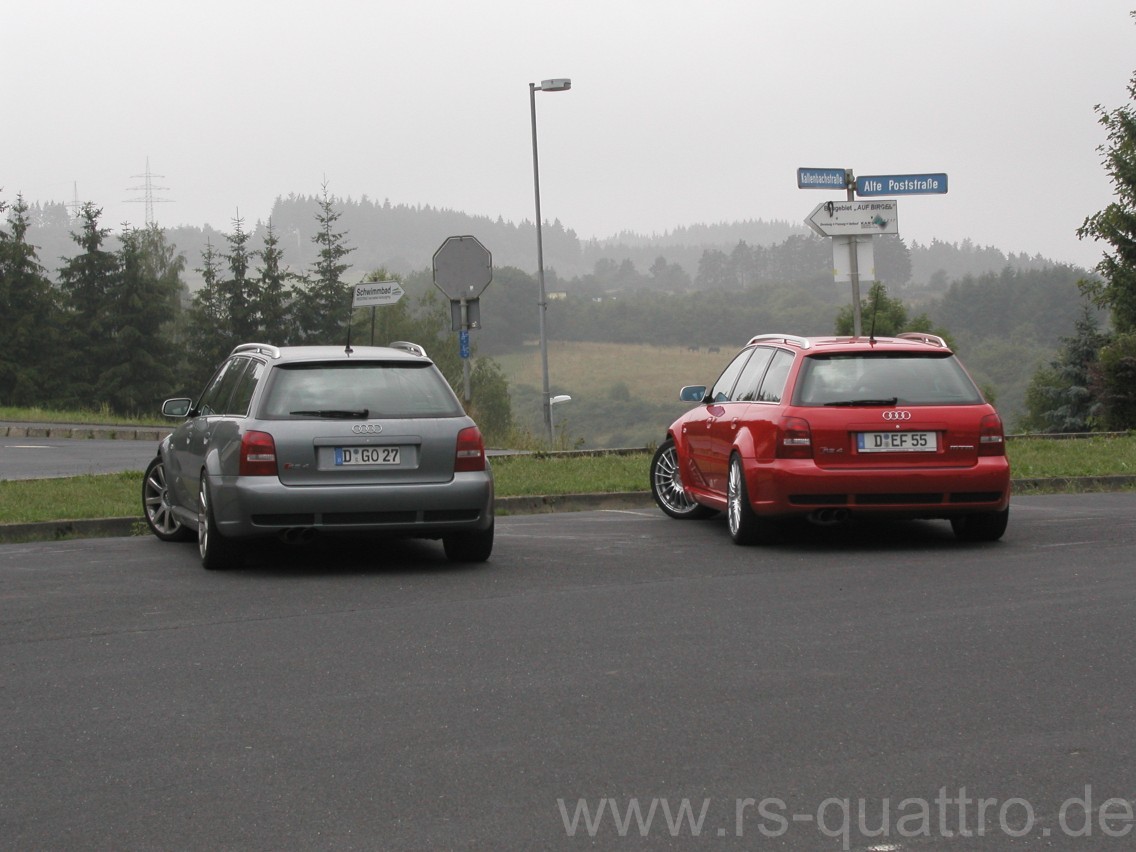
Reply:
x=852, y=218
x=376, y=293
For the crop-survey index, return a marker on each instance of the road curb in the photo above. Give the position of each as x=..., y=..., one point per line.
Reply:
x=117, y=527
x=84, y=433
x=121, y=527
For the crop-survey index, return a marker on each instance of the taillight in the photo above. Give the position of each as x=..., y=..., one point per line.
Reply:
x=258, y=454
x=794, y=439
x=470, y=454
x=991, y=437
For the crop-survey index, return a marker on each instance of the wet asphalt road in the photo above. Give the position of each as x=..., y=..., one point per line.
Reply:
x=375, y=697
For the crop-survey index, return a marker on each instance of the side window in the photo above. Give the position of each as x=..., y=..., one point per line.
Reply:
x=208, y=402
x=750, y=379
x=773, y=385
x=215, y=400
x=246, y=384
x=721, y=390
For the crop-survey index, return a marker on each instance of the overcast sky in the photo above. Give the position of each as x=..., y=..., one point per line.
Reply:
x=680, y=113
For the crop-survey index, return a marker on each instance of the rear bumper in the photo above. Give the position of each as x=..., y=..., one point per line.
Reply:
x=248, y=506
x=798, y=488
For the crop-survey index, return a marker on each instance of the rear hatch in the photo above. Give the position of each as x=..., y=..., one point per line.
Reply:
x=894, y=407
x=367, y=452
x=361, y=421
x=896, y=436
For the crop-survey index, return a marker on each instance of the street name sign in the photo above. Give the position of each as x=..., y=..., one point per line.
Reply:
x=929, y=184
x=822, y=179
x=375, y=293
x=854, y=218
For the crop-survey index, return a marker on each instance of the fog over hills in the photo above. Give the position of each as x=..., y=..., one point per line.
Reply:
x=402, y=239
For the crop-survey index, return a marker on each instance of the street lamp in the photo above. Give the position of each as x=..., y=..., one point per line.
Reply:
x=558, y=84
x=556, y=400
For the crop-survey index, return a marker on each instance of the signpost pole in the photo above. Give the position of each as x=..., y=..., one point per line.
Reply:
x=465, y=345
x=854, y=261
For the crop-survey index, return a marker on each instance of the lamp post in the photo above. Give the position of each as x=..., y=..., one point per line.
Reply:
x=558, y=84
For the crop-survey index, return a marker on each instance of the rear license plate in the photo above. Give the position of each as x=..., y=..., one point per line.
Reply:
x=897, y=442
x=352, y=456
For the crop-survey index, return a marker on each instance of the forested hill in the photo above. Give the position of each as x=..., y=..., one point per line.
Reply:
x=403, y=239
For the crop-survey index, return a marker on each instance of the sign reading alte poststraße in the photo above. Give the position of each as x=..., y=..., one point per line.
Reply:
x=928, y=184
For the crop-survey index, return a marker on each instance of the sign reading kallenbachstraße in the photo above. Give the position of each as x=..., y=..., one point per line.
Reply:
x=821, y=179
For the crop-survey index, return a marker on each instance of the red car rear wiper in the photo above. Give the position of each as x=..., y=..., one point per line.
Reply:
x=849, y=402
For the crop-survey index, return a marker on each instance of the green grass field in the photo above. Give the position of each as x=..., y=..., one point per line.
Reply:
x=119, y=495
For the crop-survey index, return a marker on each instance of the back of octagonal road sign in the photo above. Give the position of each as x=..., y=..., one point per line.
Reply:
x=462, y=267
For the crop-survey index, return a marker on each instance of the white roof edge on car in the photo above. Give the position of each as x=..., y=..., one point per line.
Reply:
x=907, y=337
x=398, y=350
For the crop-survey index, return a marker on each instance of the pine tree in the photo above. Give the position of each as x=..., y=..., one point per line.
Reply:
x=28, y=305
x=210, y=332
x=274, y=284
x=239, y=292
x=146, y=306
x=1065, y=395
x=324, y=305
x=87, y=281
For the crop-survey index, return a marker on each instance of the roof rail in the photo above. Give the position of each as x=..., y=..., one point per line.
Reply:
x=407, y=346
x=796, y=340
x=260, y=348
x=923, y=337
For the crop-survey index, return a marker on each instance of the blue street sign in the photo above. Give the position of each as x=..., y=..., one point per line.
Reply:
x=821, y=179
x=463, y=343
x=932, y=184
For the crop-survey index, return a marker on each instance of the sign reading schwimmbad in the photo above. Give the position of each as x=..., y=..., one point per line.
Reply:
x=931, y=184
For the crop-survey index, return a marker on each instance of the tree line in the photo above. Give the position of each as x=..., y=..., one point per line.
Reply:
x=118, y=330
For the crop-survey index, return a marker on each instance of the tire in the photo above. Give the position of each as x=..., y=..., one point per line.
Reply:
x=217, y=552
x=156, y=506
x=983, y=526
x=667, y=489
x=469, y=546
x=745, y=526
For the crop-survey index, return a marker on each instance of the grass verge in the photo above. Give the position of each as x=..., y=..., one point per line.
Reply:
x=119, y=495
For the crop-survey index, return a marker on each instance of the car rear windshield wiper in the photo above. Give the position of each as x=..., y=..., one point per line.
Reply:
x=334, y=414
x=848, y=402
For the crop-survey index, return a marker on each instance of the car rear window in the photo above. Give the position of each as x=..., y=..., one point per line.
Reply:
x=381, y=388
x=909, y=378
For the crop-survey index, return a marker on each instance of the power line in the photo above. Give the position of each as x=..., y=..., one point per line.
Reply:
x=148, y=189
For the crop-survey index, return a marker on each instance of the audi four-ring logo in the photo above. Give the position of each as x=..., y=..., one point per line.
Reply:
x=367, y=429
x=897, y=415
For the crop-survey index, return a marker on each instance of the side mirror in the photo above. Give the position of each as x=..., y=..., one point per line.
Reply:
x=693, y=393
x=177, y=407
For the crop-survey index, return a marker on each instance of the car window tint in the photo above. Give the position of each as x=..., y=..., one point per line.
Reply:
x=382, y=388
x=913, y=379
x=219, y=388
x=750, y=379
x=773, y=385
x=721, y=390
x=245, y=385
